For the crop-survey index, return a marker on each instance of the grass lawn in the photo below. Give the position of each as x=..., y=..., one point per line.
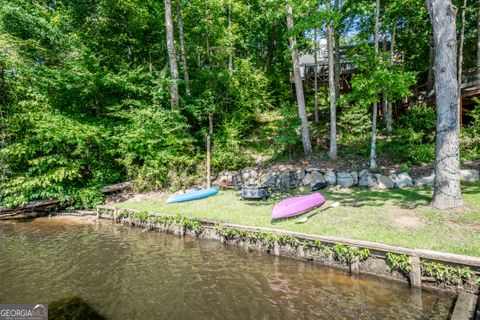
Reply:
x=399, y=217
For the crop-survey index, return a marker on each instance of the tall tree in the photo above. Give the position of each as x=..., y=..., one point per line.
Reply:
x=447, y=193
x=172, y=56
x=384, y=95
x=392, y=61
x=315, y=73
x=302, y=113
x=373, y=156
x=331, y=86
x=336, y=50
x=183, y=56
x=460, y=55
x=230, y=44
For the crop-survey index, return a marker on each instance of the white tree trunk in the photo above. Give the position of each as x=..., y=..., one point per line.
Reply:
x=331, y=89
x=315, y=73
x=447, y=193
x=392, y=61
x=384, y=96
x=171, y=54
x=183, y=54
x=460, y=55
x=373, y=144
x=302, y=113
x=336, y=53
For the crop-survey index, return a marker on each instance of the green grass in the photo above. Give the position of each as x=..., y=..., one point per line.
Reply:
x=397, y=217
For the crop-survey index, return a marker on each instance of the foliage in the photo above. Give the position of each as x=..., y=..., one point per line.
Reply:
x=443, y=272
x=144, y=216
x=470, y=146
x=84, y=90
x=347, y=254
x=398, y=262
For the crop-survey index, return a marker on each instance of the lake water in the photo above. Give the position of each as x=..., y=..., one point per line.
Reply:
x=124, y=273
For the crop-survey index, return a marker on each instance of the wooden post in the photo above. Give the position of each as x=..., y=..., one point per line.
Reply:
x=209, y=153
x=416, y=274
x=210, y=124
x=209, y=180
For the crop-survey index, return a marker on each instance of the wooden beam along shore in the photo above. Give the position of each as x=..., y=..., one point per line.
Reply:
x=448, y=258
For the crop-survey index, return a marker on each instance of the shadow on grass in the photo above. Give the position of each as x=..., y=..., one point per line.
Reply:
x=404, y=198
x=359, y=197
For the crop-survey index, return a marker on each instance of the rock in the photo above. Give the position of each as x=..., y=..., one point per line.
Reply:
x=330, y=177
x=469, y=175
x=299, y=174
x=354, y=177
x=345, y=180
x=366, y=179
x=384, y=182
x=425, y=181
x=403, y=180
x=307, y=180
x=311, y=169
x=285, y=181
x=225, y=179
x=270, y=179
x=317, y=177
x=249, y=175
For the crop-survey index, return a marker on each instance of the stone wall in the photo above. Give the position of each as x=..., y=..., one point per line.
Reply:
x=287, y=177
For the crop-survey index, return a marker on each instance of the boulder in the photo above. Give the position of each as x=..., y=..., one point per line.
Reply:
x=307, y=180
x=224, y=179
x=354, y=175
x=366, y=179
x=285, y=180
x=384, y=182
x=299, y=175
x=469, y=175
x=317, y=177
x=270, y=179
x=425, y=181
x=403, y=180
x=249, y=175
x=330, y=177
x=345, y=180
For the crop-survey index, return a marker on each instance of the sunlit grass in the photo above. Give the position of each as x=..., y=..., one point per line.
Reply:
x=399, y=217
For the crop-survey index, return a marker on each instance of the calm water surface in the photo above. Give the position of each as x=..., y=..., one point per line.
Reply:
x=127, y=274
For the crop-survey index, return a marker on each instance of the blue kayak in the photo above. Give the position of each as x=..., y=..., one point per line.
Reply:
x=192, y=195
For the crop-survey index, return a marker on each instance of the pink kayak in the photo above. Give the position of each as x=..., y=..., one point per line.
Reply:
x=297, y=205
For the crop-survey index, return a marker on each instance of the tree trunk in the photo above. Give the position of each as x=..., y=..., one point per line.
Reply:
x=373, y=145
x=447, y=193
x=336, y=53
x=460, y=57
x=392, y=61
x=302, y=113
x=171, y=54
x=331, y=89
x=182, y=49
x=230, y=53
x=315, y=48
x=384, y=95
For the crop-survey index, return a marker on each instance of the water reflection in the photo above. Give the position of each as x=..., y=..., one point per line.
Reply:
x=126, y=274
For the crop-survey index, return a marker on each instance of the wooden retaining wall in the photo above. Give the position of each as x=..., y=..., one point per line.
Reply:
x=375, y=265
